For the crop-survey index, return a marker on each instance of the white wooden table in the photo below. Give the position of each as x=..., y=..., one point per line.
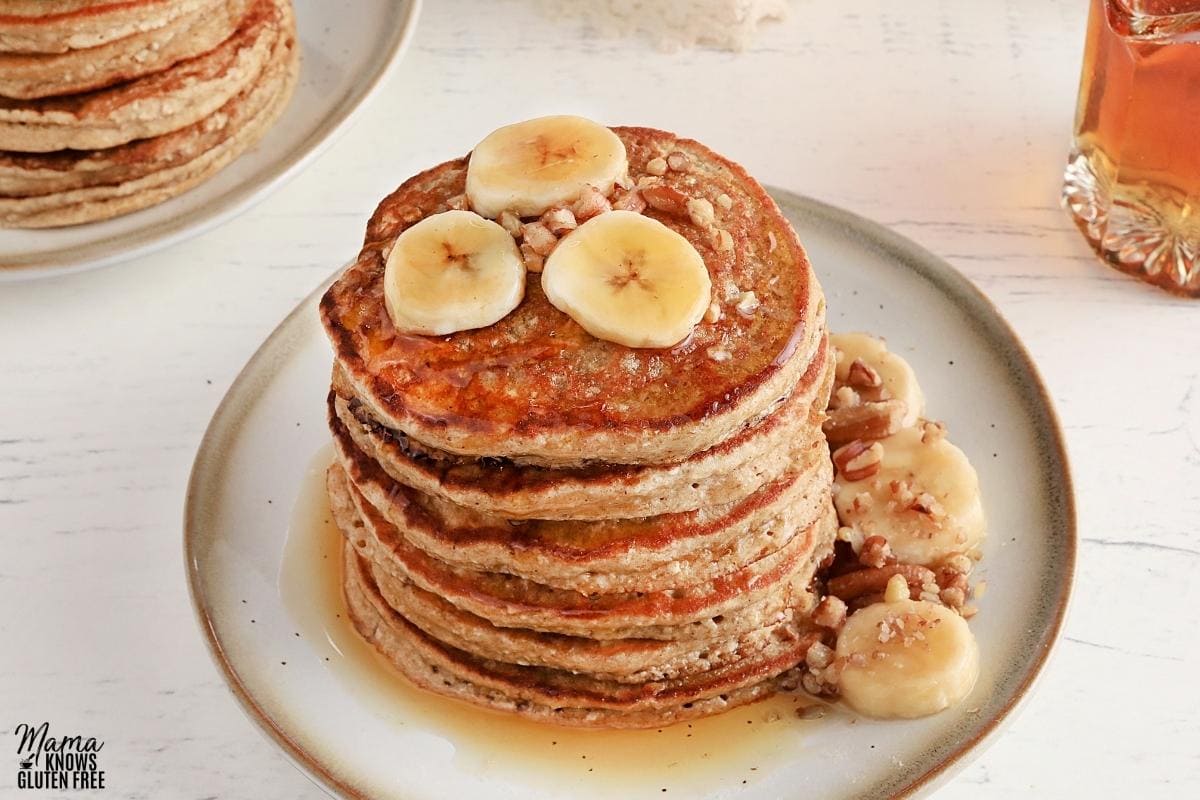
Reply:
x=948, y=121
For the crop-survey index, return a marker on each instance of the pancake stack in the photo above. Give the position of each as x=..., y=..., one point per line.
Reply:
x=106, y=108
x=546, y=522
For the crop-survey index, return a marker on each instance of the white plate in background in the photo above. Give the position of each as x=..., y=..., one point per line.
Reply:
x=347, y=50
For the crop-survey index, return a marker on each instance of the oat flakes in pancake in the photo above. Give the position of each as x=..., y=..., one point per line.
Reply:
x=28, y=76
x=622, y=660
x=728, y=472
x=139, y=174
x=56, y=26
x=639, y=554
x=153, y=104
x=536, y=386
x=629, y=660
x=509, y=601
x=553, y=695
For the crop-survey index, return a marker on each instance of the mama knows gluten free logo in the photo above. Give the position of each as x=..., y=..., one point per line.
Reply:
x=63, y=762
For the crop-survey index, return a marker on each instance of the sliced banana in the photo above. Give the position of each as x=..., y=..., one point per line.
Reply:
x=629, y=279
x=532, y=166
x=906, y=659
x=924, y=499
x=898, y=377
x=452, y=272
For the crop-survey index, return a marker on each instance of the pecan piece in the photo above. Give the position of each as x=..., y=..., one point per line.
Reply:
x=666, y=199
x=630, y=201
x=830, y=612
x=863, y=375
x=678, y=161
x=874, y=580
x=875, y=552
x=864, y=421
x=858, y=459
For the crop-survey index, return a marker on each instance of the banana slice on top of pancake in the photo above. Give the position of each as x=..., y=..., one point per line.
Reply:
x=867, y=366
x=452, y=272
x=906, y=658
x=533, y=166
x=629, y=279
x=922, y=495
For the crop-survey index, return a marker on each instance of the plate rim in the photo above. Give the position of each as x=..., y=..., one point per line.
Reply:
x=166, y=233
x=922, y=261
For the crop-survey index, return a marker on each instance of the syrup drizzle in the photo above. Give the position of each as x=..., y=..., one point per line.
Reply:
x=724, y=751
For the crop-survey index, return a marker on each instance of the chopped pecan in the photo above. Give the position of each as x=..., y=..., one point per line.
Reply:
x=533, y=260
x=701, y=212
x=630, y=201
x=932, y=432
x=666, y=199
x=953, y=597
x=864, y=421
x=590, y=203
x=678, y=161
x=830, y=612
x=539, y=238
x=713, y=314
x=862, y=375
x=950, y=578
x=873, y=580
x=511, y=223
x=927, y=504
x=722, y=240
x=819, y=656
x=858, y=459
x=875, y=552
x=559, y=220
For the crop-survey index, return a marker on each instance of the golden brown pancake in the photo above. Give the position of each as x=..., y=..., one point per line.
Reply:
x=28, y=76
x=69, y=187
x=729, y=471
x=153, y=104
x=57, y=26
x=509, y=601
x=643, y=553
x=558, y=696
x=535, y=386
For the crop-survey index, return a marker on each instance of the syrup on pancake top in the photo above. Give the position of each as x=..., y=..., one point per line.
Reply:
x=656, y=320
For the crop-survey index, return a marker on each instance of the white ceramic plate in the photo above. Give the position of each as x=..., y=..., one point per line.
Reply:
x=978, y=378
x=347, y=50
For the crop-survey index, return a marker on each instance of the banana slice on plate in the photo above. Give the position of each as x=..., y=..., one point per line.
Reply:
x=628, y=279
x=532, y=166
x=895, y=376
x=906, y=659
x=924, y=498
x=452, y=272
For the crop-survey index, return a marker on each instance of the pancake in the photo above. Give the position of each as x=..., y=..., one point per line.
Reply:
x=728, y=472
x=629, y=660
x=70, y=187
x=56, y=26
x=648, y=553
x=509, y=601
x=28, y=76
x=153, y=104
x=536, y=387
x=558, y=696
